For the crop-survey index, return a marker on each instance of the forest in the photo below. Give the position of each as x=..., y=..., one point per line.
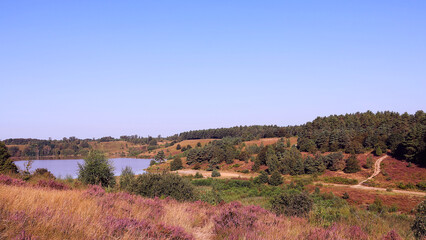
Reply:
x=403, y=134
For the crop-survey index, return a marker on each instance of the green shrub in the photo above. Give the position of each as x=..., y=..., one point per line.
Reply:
x=352, y=165
x=292, y=204
x=378, y=151
x=369, y=163
x=377, y=206
x=176, y=164
x=276, y=179
x=127, y=179
x=43, y=172
x=6, y=165
x=163, y=185
x=213, y=197
x=202, y=182
x=215, y=173
x=341, y=180
x=198, y=175
x=262, y=178
x=96, y=169
x=419, y=224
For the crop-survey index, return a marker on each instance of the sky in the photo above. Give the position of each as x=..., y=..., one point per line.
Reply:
x=111, y=68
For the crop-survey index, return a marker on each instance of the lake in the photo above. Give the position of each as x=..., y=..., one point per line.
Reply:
x=63, y=167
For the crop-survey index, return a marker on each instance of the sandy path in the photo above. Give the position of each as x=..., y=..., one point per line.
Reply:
x=209, y=173
x=376, y=172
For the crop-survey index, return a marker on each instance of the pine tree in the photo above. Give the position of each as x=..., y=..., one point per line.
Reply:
x=6, y=165
x=378, y=151
x=352, y=165
x=276, y=179
x=262, y=178
x=176, y=164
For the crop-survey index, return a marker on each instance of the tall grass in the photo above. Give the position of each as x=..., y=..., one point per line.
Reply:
x=30, y=212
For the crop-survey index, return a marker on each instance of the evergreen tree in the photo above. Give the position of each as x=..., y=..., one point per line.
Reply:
x=276, y=179
x=176, y=164
x=378, y=151
x=262, y=178
x=6, y=165
x=127, y=179
x=160, y=157
x=178, y=147
x=96, y=169
x=352, y=165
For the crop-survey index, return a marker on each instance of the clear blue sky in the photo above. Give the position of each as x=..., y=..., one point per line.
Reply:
x=111, y=68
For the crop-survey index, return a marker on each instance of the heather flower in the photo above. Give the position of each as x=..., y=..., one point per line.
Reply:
x=52, y=184
x=25, y=236
x=392, y=235
x=4, y=179
x=95, y=191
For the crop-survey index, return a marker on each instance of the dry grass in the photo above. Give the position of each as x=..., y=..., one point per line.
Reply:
x=27, y=211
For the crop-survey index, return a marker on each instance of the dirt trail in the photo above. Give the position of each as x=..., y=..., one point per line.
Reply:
x=209, y=174
x=376, y=170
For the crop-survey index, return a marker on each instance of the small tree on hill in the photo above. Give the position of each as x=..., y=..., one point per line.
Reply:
x=369, y=163
x=160, y=156
x=378, y=151
x=176, y=164
x=6, y=165
x=178, y=147
x=96, y=169
x=198, y=144
x=352, y=165
x=276, y=179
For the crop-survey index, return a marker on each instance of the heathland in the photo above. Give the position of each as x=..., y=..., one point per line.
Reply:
x=353, y=176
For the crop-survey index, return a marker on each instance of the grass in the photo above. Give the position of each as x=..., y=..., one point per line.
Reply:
x=29, y=211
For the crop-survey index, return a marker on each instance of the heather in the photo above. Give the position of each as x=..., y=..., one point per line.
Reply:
x=43, y=211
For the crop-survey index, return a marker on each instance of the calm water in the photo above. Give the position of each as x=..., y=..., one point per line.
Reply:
x=64, y=167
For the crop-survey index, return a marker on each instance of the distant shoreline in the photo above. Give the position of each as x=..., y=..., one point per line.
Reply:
x=66, y=158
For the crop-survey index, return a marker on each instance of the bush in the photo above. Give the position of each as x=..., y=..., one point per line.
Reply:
x=43, y=172
x=341, y=180
x=96, y=169
x=345, y=195
x=377, y=206
x=378, y=151
x=419, y=225
x=276, y=179
x=127, y=179
x=176, y=164
x=352, y=165
x=198, y=175
x=292, y=204
x=163, y=185
x=262, y=178
x=6, y=165
x=369, y=163
x=215, y=173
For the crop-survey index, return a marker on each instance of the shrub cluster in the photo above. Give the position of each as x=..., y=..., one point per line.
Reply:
x=163, y=185
x=292, y=203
